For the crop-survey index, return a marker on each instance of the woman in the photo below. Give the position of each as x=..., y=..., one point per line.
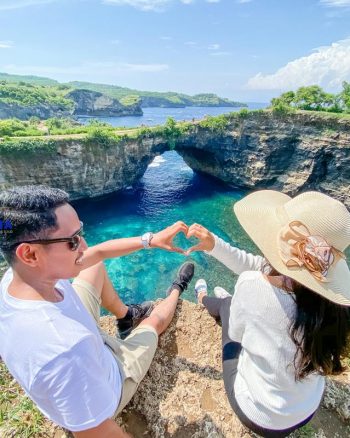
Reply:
x=286, y=326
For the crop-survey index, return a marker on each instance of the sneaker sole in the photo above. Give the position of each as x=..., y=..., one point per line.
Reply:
x=220, y=292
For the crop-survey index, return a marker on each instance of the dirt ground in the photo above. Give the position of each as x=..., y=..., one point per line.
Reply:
x=183, y=396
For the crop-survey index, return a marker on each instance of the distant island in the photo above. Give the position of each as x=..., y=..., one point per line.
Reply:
x=24, y=97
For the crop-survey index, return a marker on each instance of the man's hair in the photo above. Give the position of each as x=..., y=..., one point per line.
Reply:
x=29, y=213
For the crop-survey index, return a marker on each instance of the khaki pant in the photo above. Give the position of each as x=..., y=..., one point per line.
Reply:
x=133, y=355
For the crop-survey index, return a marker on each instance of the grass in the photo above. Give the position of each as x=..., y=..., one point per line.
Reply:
x=306, y=431
x=105, y=135
x=18, y=415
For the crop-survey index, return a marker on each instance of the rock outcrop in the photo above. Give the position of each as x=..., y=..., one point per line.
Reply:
x=183, y=395
x=93, y=103
x=83, y=169
x=292, y=153
x=41, y=110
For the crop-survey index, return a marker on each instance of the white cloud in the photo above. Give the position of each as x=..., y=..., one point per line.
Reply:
x=336, y=3
x=6, y=44
x=212, y=1
x=147, y=5
x=109, y=68
x=328, y=67
x=166, y=38
x=214, y=46
x=16, y=4
x=144, y=5
x=244, y=1
x=220, y=53
x=144, y=68
x=190, y=43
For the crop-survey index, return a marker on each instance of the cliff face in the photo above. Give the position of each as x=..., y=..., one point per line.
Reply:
x=83, y=170
x=92, y=103
x=43, y=111
x=294, y=153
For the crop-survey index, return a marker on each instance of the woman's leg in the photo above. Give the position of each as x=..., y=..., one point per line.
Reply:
x=230, y=357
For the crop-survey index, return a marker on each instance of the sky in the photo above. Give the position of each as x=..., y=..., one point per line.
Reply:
x=247, y=50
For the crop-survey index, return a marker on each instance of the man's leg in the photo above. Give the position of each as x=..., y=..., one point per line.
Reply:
x=139, y=348
x=103, y=289
x=95, y=289
x=161, y=315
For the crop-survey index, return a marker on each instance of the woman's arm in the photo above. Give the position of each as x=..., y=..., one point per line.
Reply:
x=235, y=259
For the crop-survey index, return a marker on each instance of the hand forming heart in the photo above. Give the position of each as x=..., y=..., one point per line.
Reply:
x=164, y=238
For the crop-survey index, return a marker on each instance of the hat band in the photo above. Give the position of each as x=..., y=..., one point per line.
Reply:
x=298, y=248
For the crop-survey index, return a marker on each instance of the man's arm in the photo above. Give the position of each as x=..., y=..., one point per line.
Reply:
x=120, y=247
x=107, y=429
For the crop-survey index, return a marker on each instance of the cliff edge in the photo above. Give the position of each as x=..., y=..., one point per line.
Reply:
x=183, y=396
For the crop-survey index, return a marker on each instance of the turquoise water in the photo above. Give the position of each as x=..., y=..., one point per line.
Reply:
x=168, y=192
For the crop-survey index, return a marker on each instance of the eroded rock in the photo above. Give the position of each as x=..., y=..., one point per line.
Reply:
x=183, y=393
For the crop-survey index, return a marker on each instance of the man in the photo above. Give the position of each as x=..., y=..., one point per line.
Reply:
x=50, y=339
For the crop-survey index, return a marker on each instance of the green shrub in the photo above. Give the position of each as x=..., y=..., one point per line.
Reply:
x=216, y=124
x=282, y=109
x=145, y=132
x=103, y=138
x=21, y=146
x=10, y=127
x=243, y=113
x=171, y=132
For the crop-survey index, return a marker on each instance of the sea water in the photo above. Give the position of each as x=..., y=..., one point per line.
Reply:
x=168, y=192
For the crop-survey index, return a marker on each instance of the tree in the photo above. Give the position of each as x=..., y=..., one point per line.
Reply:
x=286, y=98
x=345, y=95
x=313, y=98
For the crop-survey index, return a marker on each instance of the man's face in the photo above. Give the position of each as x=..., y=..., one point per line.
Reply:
x=57, y=260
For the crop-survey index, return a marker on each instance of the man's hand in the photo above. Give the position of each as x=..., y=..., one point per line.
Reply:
x=164, y=238
x=207, y=241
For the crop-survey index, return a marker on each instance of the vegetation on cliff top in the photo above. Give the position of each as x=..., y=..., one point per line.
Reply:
x=157, y=99
x=45, y=136
x=313, y=98
x=25, y=94
x=126, y=96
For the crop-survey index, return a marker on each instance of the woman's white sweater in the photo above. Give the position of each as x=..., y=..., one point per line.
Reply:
x=260, y=318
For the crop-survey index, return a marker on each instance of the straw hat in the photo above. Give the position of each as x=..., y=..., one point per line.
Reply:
x=303, y=238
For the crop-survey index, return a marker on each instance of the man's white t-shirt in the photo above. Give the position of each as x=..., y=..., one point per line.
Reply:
x=57, y=355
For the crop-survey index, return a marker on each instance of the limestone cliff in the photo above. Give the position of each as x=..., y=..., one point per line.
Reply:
x=292, y=153
x=93, y=103
x=260, y=150
x=41, y=110
x=83, y=170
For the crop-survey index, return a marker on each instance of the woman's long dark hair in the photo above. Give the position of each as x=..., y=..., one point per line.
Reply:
x=320, y=331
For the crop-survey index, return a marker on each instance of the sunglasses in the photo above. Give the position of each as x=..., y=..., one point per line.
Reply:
x=73, y=241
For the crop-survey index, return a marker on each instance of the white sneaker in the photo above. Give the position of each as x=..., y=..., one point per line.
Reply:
x=200, y=287
x=220, y=292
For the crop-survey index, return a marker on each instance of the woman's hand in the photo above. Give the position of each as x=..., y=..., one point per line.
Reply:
x=207, y=240
x=164, y=238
